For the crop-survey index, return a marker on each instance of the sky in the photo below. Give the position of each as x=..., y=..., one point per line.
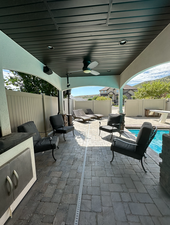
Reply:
x=154, y=73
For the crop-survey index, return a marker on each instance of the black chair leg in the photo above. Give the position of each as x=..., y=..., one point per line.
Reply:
x=73, y=133
x=53, y=154
x=112, y=156
x=99, y=132
x=64, y=137
x=145, y=158
x=143, y=165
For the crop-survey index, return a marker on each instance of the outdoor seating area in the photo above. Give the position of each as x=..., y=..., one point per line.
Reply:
x=112, y=193
x=40, y=144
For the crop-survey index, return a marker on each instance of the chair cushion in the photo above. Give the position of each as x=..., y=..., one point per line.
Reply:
x=64, y=130
x=106, y=128
x=144, y=134
x=44, y=144
x=30, y=127
x=125, y=147
x=124, y=143
x=114, y=118
x=57, y=121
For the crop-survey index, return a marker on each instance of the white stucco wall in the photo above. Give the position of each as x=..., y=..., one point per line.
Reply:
x=156, y=53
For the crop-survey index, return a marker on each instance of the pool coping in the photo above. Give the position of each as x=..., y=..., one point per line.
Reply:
x=133, y=126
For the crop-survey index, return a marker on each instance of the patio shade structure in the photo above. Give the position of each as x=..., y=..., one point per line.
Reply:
x=123, y=37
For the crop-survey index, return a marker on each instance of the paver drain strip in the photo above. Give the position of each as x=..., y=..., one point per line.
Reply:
x=76, y=220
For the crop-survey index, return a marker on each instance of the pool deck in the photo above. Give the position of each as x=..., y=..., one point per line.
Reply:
x=136, y=122
x=117, y=193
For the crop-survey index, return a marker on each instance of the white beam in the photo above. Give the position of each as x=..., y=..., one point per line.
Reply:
x=108, y=81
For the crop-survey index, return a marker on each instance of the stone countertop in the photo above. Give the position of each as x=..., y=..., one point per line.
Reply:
x=11, y=140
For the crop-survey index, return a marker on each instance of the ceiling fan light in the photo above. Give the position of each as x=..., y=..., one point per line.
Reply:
x=122, y=42
x=50, y=47
x=86, y=71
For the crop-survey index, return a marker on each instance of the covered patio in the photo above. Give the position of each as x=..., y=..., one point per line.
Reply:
x=124, y=38
x=117, y=193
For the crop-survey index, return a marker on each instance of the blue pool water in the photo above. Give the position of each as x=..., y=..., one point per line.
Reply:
x=156, y=143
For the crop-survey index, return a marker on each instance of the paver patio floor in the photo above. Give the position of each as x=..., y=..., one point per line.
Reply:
x=117, y=193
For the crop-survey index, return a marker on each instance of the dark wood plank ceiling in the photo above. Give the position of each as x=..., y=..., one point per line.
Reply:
x=77, y=28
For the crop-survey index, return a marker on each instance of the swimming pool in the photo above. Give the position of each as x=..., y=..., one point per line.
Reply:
x=156, y=143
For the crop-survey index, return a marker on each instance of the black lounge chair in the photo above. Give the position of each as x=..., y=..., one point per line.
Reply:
x=135, y=149
x=115, y=123
x=97, y=116
x=57, y=124
x=78, y=114
x=40, y=144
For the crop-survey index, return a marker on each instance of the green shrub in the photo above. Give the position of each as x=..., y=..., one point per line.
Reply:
x=101, y=98
x=95, y=97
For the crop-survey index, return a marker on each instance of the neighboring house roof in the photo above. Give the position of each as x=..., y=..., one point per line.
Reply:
x=104, y=89
x=126, y=87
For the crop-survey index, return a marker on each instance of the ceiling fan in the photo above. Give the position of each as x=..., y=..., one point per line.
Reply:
x=88, y=66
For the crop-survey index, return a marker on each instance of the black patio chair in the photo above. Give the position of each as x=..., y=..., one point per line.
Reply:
x=135, y=149
x=40, y=144
x=115, y=123
x=57, y=124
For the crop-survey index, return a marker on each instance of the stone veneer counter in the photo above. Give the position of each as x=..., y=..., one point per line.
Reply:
x=11, y=140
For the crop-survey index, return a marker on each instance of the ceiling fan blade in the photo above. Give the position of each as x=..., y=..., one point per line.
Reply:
x=92, y=65
x=94, y=72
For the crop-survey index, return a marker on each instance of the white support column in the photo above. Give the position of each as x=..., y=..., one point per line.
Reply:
x=61, y=101
x=120, y=99
x=4, y=114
